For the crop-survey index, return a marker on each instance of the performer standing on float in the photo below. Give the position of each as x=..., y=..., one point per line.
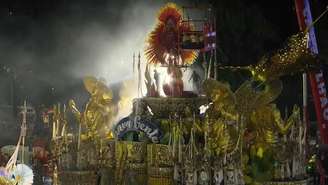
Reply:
x=156, y=78
x=163, y=48
x=196, y=80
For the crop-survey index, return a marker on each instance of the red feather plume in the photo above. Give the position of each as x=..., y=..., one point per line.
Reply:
x=170, y=11
x=164, y=38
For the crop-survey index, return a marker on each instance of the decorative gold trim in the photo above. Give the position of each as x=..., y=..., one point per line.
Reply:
x=297, y=182
x=160, y=172
x=159, y=155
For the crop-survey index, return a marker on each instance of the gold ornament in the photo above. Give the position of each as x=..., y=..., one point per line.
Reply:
x=292, y=58
x=98, y=111
x=224, y=100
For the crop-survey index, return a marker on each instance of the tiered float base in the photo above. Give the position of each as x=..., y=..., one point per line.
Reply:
x=297, y=182
x=78, y=178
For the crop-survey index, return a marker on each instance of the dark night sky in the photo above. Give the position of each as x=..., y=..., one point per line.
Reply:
x=52, y=44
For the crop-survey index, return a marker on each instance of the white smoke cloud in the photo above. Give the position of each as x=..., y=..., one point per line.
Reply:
x=108, y=53
x=52, y=55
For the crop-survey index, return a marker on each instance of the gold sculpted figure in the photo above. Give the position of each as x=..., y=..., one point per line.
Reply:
x=98, y=110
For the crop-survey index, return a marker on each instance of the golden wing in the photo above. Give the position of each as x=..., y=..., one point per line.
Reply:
x=93, y=85
x=270, y=93
x=90, y=83
x=223, y=98
x=246, y=97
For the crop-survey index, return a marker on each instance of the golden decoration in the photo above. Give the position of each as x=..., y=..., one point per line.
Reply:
x=292, y=58
x=224, y=100
x=159, y=155
x=5, y=181
x=257, y=120
x=98, y=111
x=130, y=158
x=220, y=140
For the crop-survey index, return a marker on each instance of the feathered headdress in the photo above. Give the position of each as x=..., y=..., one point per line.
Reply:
x=165, y=37
x=170, y=11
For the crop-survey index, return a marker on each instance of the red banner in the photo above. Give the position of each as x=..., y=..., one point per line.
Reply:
x=316, y=78
x=321, y=103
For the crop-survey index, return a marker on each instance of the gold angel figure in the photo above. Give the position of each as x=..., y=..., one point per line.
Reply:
x=224, y=100
x=250, y=107
x=98, y=110
x=268, y=123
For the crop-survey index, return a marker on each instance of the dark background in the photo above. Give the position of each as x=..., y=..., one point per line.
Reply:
x=46, y=47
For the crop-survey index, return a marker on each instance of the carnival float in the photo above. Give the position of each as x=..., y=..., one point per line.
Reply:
x=214, y=135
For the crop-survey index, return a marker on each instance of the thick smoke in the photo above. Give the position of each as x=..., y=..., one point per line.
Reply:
x=51, y=50
x=51, y=53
